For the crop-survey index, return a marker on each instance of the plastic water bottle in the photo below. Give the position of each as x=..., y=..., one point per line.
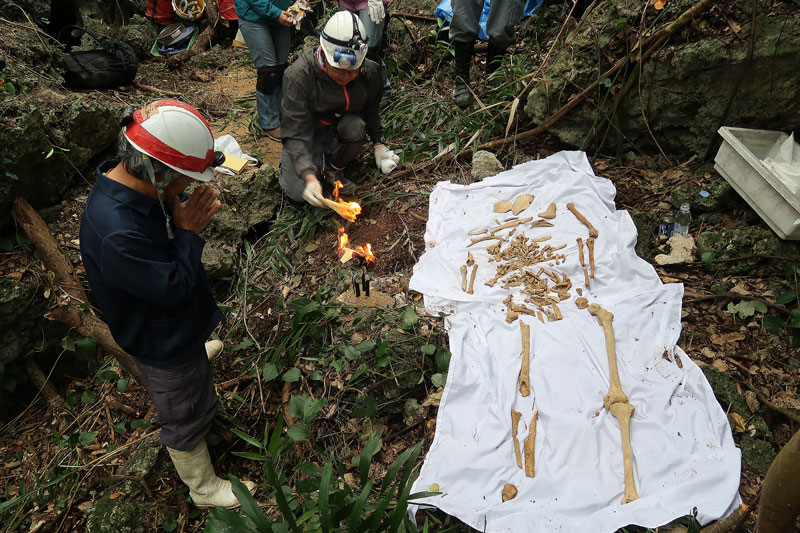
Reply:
x=682, y=220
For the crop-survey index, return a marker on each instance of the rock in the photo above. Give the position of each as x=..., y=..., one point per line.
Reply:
x=119, y=515
x=215, y=58
x=682, y=250
x=757, y=453
x=248, y=200
x=401, y=49
x=140, y=33
x=720, y=196
x=646, y=225
x=690, y=77
x=413, y=412
x=485, y=164
x=23, y=305
x=115, y=511
x=744, y=243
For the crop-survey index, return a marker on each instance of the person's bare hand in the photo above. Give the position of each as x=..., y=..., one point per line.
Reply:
x=195, y=213
x=286, y=19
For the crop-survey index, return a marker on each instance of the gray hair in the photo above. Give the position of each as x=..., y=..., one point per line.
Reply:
x=133, y=161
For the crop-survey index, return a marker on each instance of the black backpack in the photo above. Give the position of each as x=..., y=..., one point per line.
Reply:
x=112, y=65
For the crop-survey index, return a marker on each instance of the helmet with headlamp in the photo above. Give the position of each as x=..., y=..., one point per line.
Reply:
x=344, y=41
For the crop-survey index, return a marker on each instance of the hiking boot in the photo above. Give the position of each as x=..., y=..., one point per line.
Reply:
x=461, y=95
x=463, y=60
x=274, y=134
x=332, y=175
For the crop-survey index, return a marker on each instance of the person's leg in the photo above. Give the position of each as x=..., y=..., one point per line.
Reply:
x=503, y=17
x=281, y=37
x=463, y=32
x=375, y=34
x=344, y=147
x=290, y=182
x=185, y=402
x=262, y=49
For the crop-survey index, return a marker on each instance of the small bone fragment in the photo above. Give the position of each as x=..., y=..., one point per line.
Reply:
x=524, y=371
x=590, y=245
x=515, y=416
x=510, y=224
x=549, y=213
x=580, y=252
x=623, y=413
x=579, y=291
x=470, y=259
x=586, y=278
x=615, y=393
x=486, y=238
x=530, y=444
x=502, y=207
x=509, y=492
x=557, y=311
x=478, y=232
x=540, y=316
x=464, y=278
x=472, y=279
x=582, y=303
x=511, y=316
x=509, y=219
x=542, y=223
x=592, y=230
x=521, y=203
x=542, y=239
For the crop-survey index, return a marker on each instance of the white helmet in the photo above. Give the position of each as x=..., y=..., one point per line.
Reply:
x=344, y=41
x=176, y=134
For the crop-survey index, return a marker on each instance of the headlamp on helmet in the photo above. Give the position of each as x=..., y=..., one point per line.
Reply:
x=344, y=48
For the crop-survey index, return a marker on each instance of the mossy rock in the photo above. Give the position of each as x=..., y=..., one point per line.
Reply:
x=140, y=33
x=645, y=222
x=745, y=243
x=757, y=453
x=215, y=58
x=720, y=196
x=725, y=391
x=118, y=515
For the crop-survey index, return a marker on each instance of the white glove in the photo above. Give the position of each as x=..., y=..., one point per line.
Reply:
x=313, y=193
x=376, y=12
x=385, y=159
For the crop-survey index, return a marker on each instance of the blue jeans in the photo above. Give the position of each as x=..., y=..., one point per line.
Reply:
x=375, y=35
x=269, y=47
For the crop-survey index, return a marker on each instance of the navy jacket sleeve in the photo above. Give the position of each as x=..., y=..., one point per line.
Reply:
x=138, y=265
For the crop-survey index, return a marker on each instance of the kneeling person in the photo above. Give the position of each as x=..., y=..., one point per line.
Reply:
x=331, y=100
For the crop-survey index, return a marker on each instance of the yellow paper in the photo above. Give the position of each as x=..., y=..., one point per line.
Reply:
x=234, y=163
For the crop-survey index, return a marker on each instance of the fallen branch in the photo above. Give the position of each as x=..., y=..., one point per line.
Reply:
x=57, y=262
x=55, y=403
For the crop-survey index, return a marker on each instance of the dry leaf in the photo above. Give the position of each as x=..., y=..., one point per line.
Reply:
x=720, y=365
x=739, y=424
x=659, y=4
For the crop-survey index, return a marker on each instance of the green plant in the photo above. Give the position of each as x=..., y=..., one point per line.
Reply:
x=789, y=298
x=324, y=501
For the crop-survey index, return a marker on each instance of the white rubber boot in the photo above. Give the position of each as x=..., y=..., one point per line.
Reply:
x=205, y=488
x=213, y=349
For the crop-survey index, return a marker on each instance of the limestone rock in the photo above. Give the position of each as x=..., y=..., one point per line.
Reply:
x=746, y=243
x=485, y=164
x=413, y=412
x=248, y=199
x=140, y=33
x=682, y=248
x=120, y=515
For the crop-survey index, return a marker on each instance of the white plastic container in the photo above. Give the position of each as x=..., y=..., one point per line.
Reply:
x=739, y=161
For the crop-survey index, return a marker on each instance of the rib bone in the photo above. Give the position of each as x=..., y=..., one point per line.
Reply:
x=524, y=372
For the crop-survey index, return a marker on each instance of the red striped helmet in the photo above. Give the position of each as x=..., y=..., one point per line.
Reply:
x=176, y=134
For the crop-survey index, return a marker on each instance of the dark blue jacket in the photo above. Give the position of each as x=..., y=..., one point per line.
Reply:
x=153, y=292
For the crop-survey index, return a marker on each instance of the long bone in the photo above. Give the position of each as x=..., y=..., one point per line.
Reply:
x=590, y=246
x=616, y=401
x=524, y=371
x=592, y=230
x=530, y=447
x=515, y=416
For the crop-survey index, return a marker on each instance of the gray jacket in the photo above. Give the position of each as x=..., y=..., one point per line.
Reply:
x=313, y=103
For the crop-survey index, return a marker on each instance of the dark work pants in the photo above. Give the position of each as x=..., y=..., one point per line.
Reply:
x=334, y=145
x=184, y=398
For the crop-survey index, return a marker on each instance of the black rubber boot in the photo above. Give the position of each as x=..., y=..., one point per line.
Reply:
x=494, y=57
x=461, y=94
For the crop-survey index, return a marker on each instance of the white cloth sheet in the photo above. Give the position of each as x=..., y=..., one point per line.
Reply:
x=684, y=454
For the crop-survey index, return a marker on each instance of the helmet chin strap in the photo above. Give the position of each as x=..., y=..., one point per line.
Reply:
x=159, y=190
